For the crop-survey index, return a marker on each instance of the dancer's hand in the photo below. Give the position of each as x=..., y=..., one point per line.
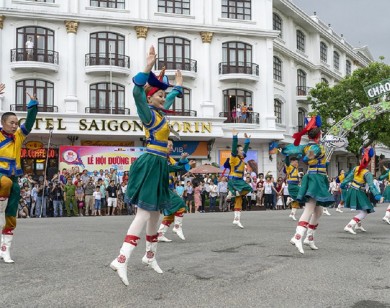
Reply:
x=33, y=97
x=234, y=132
x=2, y=87
x=178, y=78
x=184, y=155
x=150, y=59
x=246, y=136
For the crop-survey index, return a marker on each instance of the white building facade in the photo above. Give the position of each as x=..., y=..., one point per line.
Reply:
x=80, y=57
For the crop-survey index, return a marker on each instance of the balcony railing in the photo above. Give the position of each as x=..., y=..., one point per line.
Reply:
x=185, y=113
x=303, y=90
x=107, y=110
x=35, y=55
x=183, y=64
x=251, y=117
x=107, y=59
x=53, y=108
x=239, y=68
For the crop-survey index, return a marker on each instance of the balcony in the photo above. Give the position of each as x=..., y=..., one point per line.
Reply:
x=125, y=111
x=251, y=118
x=15, y=107
x=36, y=59
x=302, y=93
x=103, y=63
x=238, y=71
x=188, y=67
x=184, y=113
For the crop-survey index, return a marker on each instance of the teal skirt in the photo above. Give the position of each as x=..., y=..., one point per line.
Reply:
x=238, y=185
x=176, y=204
x=386, y=194
x=293, y=190
x=358, y=200
x=315, y=186
x=148, y=183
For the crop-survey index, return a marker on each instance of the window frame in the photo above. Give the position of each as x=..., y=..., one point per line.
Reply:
x=117, y=3
x=301, y=82
x=348, y=67
x=278, y=111
x=301, y=41
x=233, y=48
x=119, y=88
x=229, y=9
x=46, y=102
x=277, y=24
x=301, y=118
x=278, y=69
x=176, y=8
x=170, y=62
x=241, y=95
x=336, y=60
x=323, y=52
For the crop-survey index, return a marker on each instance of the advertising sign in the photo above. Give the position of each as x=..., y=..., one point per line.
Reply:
x=95, y=158
x=225, y=154
x=195, y=149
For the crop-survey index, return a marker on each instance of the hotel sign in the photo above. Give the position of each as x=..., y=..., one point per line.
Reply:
x=378, y=89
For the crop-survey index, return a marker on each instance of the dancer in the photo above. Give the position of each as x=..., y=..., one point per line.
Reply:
x=291, y=171
x=339, y=179
x=314, y=190
x=386, y=194
x=178, y=207
x=236, y=184
x=149, y=176
x=11, y=140
x=356, y=197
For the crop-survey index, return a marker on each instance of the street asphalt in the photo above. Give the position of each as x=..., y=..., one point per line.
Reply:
x=64, y=262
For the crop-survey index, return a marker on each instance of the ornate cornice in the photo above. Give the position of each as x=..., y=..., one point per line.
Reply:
x=2, y=21
x=206, y=37
x=142, y=32
x=71, y=26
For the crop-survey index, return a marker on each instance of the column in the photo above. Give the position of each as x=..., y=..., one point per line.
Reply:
x=142, y=33
x=71, y=100
x=207, y=105
x=267, y=117
x=1, y=58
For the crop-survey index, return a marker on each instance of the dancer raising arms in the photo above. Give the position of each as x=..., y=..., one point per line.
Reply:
x=356, y=197
x=314, y=190
x=11, y=139
x=291, y=171
x=149, y=175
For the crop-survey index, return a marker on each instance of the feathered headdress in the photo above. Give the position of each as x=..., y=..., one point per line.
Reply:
x=156, y=83
x=367, y=154
x=314, y=122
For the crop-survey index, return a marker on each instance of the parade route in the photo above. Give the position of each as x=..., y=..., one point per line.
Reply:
x=64, y=262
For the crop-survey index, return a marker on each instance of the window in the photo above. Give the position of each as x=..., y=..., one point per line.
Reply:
x=336, y=60
x=236, y=9
x=35, y=44
x=323, y=52
x=237, y=58
x=277, y=69
x=278, y=111
x=324, y=80
x=104, y=46
x=233, y=97
x=301, y=118
x=301, y=83
x=300, y=41
x=47, y=1
x=277, y=23
x=348, y=67
x=43, y=89
x=175, y=53
x=100, y=98
x=182, y=106
x=174, y=6
x=116, y=4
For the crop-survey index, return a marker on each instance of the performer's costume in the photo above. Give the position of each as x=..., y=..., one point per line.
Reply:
x=356, y=197
x=292, y=174
x=10, y=170
x=339, y=179
x=236, y=185
x=314, y=190
x=149, y=174
x=178, y=208
x=386, y=195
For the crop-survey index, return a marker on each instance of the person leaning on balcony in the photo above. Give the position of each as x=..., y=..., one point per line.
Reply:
x=249, y=113
x=11, y=139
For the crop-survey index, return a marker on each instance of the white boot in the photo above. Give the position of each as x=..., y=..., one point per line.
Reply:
x=229, y=196
x=339, y=209
x=325, y=211
x=292, y=214
x=6, y=241
x=120, y=263
x=237, y=219
x=349, y=228
x=386, y=219
x=150, y=256
x=309, y=240
x=360, y=227
x=161, y=234
x=3, y=205
x=297, y=238
x=177, y=227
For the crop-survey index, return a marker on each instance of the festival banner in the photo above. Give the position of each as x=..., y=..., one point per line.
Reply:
x=195, y=149
x=96, y=158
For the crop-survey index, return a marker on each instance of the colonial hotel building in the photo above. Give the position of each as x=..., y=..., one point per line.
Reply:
x=79, y=56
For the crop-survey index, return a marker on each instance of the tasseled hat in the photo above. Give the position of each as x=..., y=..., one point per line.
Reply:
x=314, y=122
x=156, y=83
x=367, y=154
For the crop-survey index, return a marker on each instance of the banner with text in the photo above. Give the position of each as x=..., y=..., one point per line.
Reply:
x=195, y=149
x=95, y=158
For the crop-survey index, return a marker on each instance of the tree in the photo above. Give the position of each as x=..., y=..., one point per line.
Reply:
x=348, y=96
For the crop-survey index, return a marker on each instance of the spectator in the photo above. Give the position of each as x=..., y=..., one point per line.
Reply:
x=89, y=190
x=40, y=210
x=112, y=193
x=189, y=195
x=80, y=197
x=97, y=196
x=222, y=192
x=70, y=197
x=250, y=113
x=268, y=196
x=56, y=194
x=197, y=194
x=213, y=196
x=29, y=48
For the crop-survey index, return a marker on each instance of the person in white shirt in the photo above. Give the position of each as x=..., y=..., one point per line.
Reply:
x=97, y=196
x=213, y=196
x=29, y=48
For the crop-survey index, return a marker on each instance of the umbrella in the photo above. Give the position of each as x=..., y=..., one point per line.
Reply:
x=205, y=169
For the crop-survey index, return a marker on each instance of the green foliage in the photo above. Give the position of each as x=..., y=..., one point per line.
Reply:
x=348, y=97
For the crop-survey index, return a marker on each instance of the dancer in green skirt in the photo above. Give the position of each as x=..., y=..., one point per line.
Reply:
x=149, y=175
x=356, y=197
x=386, y=194
x=314, y=190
